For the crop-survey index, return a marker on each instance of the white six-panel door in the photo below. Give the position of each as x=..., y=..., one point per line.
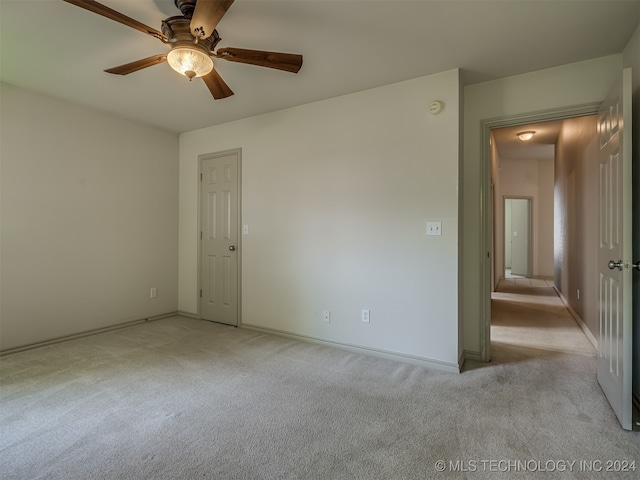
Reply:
x=614, y=253
x=219, y=238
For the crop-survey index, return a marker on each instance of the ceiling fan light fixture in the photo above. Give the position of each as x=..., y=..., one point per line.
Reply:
x=526, y=136
x=190, y=61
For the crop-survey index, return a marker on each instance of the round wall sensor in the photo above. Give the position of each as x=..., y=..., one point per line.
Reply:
x=435, y=107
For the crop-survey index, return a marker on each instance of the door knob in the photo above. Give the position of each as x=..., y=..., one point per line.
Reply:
x=636, y=265
x=232, y=248
x=619, y=265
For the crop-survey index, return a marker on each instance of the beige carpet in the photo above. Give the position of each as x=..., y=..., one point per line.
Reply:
x=188, y=399
x=529, y=313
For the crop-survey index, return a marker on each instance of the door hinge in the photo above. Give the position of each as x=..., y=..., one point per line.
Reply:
x=200, y=235
x=200, y=293
x=200, y=177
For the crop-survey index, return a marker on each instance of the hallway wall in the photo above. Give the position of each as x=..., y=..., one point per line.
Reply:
x=576, y=227
x=527, y=178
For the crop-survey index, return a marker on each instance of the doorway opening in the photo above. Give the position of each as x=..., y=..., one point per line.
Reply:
x=555, y=222
x=518, y=230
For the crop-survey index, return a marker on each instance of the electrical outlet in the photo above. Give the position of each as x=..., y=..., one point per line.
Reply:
x=365, y=316
x=326, y=316
x=153, y=293
x=245, y=229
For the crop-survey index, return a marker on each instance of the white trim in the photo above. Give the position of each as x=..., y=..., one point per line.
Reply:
x=86, y=333
x=398, y=357
x=469, y=355
x=461, y=360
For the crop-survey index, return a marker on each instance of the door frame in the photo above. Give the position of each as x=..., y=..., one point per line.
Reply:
x=487, y=204
x=530, y=232
x=201, y=158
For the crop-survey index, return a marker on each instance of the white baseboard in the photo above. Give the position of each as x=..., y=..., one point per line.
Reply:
x=461, y=360
x=86, y=333
x=469, y=355
x=593, y=340
x=399, y=357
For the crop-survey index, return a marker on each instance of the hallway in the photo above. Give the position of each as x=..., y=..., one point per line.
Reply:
x=529, y=313
x=530, y=324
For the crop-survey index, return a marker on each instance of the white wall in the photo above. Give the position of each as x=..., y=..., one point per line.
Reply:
x=527, y=178
x=566, y=86
x=576, y=200
x=336, y=195
x=89, y=219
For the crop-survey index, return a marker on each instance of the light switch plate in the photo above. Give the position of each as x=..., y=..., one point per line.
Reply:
x=434, y=228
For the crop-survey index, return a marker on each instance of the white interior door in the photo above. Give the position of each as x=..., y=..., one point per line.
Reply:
x=614, y=253
x=520, y=235
x=219, y=238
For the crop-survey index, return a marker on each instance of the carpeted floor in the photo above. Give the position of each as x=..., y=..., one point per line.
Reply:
x=529, y=313
x=187, y=399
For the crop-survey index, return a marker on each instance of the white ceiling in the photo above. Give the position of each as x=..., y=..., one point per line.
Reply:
x=58, y=49
x=540, y=147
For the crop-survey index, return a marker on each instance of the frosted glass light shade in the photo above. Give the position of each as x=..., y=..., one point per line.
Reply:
x=190, y=62
x=526, y=136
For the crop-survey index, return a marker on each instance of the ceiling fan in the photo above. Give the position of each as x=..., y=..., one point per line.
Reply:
x=192, y=37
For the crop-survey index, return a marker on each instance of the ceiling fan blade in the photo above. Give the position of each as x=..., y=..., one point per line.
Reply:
x=216, y=85
x=137, y=65
x=100, y=9
x=206, y=16
x=289, y=62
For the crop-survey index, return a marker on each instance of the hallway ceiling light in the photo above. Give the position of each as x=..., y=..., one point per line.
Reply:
x=526, y=136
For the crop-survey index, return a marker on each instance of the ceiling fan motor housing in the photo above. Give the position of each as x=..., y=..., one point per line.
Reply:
x=186, y=6
x=178, y=32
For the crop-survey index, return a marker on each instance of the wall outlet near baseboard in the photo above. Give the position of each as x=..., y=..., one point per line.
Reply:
x=365, y=316
x=153, y=293
x=326, y=316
